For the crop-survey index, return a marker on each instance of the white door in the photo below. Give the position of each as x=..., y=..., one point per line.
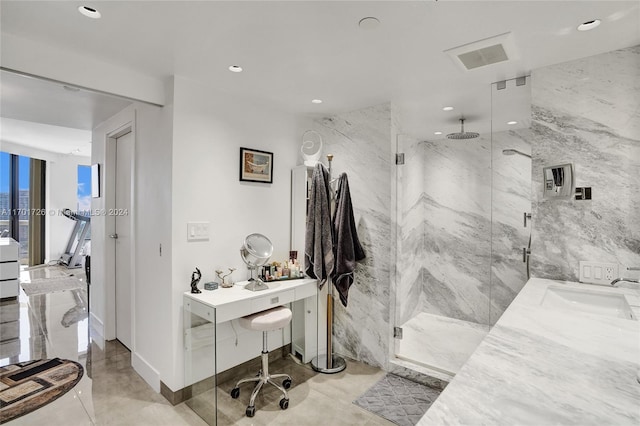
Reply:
x=122, y=212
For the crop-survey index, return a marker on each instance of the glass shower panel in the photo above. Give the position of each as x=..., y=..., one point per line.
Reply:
x=443, y=284
x=511, y=191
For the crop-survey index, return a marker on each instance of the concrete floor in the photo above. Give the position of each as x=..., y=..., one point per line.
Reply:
x=112, y=393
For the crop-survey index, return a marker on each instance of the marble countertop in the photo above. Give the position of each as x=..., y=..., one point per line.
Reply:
x=543, y=366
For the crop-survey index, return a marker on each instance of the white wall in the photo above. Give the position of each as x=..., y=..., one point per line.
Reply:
x=151, y=213
x=61, y=189
x=209, y=129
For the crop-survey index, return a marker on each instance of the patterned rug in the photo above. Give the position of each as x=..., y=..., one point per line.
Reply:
x=27, y=386
x=51, y=285
x=398, y=400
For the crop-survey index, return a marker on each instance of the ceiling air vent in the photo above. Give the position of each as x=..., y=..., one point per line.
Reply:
x=484, y=52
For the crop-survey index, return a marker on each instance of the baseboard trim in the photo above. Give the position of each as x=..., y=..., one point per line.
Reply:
x=146, y=371
x=97, y=325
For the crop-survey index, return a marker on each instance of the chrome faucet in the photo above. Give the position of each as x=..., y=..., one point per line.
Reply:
x=629, y=280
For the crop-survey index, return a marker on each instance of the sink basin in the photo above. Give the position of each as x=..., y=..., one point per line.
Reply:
x=592, y=302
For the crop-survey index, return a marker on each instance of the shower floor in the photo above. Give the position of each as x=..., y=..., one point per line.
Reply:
x=439, y=342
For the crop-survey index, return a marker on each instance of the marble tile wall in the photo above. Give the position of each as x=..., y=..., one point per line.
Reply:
x=587, y=112
x=447, y=236
x=510, y=199
x=362, y=142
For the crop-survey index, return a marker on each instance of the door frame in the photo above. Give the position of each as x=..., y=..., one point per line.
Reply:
x=110, y=224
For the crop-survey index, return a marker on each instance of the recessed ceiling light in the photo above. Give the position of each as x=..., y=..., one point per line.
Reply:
x=316, y=101
x=235, y=68
x=89, y=12
x=589, y=25
x=70, y=88
x=369, y=23
x=448, y=108
x=512, y=122
x=437, y=133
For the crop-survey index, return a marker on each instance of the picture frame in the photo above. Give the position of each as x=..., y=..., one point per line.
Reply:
x=256, y=165
x=95, y=180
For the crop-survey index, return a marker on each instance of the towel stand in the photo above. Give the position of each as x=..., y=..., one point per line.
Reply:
x=330, y=363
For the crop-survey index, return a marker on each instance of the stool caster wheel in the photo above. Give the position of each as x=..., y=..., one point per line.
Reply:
x=251, y=411
x=284, y=403
x=235, y=392
x=286, y=383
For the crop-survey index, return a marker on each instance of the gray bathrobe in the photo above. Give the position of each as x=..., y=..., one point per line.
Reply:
x=348, y=249
x=318, y=247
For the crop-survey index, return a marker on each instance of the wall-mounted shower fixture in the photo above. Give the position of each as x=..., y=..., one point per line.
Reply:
x=510, y=151
x=558, y=182
x=462, y=134
x=583, y=193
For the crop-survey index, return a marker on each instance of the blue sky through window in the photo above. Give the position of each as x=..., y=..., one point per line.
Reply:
x=84, y=188
x=23, y=172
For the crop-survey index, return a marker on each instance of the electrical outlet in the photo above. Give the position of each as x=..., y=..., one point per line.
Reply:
x=598, y=272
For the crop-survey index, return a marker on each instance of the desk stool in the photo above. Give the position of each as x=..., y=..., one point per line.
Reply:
x=269, y=320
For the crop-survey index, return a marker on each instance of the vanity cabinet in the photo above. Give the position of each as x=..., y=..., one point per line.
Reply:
x=304, y=327
x=9, y=268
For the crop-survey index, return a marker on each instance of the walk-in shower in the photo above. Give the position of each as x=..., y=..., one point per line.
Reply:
x=460, y=235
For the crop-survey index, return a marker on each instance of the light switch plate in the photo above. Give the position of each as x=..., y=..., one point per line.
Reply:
x=598, y=272
x=197, y=231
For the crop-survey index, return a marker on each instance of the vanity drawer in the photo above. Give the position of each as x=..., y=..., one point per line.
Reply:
x=233, y=310
x=9, y=250
x=9, y=288
x=9, y=270
x=272, y=300
x=306, y=290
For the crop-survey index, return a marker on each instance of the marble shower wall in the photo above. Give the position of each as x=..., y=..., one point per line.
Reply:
x=363, y=144
x=587, y=112
x=447, y=237
x=510, y=199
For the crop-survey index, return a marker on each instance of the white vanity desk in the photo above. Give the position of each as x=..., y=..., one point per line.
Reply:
x=213, y=344
x=236, y=302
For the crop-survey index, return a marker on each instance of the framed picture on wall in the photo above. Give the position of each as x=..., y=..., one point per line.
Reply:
x=256, y=166
x=95, y=180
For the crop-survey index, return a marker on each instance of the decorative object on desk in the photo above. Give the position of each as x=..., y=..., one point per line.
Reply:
x=311, y=148
x=195, y=279
x=256, y=166
x=211, y=285
x=256, y=251
x=223, y=283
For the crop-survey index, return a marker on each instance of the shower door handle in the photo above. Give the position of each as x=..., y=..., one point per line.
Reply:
x=525, y=254
x=526, y=216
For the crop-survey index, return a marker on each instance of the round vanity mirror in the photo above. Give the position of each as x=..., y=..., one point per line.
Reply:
x=255, y=252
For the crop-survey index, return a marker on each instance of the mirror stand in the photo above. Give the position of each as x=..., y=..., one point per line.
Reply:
x=255, y=284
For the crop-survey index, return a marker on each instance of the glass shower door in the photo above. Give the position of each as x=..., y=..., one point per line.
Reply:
x=461, y=211
x=511, y=191
x=443, y=280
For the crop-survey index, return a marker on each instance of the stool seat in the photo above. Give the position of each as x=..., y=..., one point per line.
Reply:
x=265, y=321
x=269, y=320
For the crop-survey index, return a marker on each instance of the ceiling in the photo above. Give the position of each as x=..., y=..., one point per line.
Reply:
x=293, y=52
x=47, y=116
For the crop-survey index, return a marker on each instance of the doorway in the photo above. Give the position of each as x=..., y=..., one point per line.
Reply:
x=122, y=236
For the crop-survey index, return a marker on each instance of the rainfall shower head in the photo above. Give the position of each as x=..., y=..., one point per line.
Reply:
x=462, y=134
x=511, y=151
